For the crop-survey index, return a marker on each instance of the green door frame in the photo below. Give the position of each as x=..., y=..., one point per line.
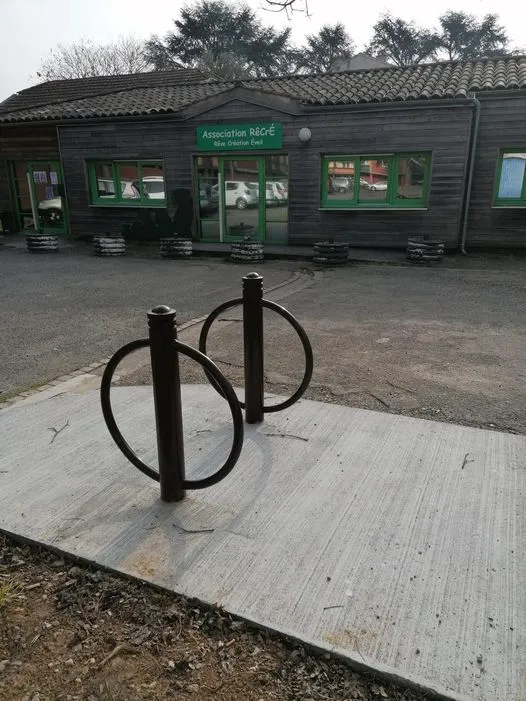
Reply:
x=260, y=160
x=31, y=166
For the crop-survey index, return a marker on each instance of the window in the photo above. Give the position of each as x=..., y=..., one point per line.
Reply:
x=398, y=181
x=127, y=183
x=510, y=183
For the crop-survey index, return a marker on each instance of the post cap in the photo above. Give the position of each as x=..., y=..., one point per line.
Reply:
x=161, y=310
x=253, y=276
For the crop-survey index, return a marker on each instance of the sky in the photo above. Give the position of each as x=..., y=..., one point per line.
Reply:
x=31, y=28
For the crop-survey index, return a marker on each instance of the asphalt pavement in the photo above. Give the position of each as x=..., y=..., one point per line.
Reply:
x=61, y=311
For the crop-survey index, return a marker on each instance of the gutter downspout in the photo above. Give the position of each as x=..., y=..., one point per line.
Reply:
x=471, y=169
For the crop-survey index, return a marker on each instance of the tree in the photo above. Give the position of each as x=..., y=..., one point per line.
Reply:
x=463, y=36
x=224, y=66
x=321, y=49
x=217, y=27
x=403, y=42
x=85, y=59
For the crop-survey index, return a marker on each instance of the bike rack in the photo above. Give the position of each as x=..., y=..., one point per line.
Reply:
x=164, y=355
x=253, y=304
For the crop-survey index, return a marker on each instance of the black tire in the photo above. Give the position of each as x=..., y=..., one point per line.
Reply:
x=241, y=203
x=373, y=188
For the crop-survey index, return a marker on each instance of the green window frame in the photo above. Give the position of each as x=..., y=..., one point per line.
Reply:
x=392, y=199
x=118, y=200
x=510, y=201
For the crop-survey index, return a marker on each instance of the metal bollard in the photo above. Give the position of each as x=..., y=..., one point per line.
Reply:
x=253, y=346
x=167, y=399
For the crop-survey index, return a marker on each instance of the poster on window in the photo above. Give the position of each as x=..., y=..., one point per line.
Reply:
x=50, y=194
x=512, y=175
x=40, y=176
x=53, y=178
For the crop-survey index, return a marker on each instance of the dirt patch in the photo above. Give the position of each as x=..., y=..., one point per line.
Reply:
x=432, y=371
x=71, y=633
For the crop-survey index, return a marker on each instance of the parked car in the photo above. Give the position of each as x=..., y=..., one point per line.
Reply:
x=340, y=184
x=271, y=198
x=238, y=194
x=346, y=184
x=51, y=210
x=365, y=183
x=380, y=185
x=153, y=187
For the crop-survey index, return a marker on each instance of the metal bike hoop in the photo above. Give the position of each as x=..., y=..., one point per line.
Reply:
x=307, y=348
x=220, y=381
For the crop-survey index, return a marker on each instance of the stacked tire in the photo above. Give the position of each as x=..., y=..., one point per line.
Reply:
x=42, y=243
x=106, y=246
x=176, y=248
x=247, y=251
x=425, y=251
x=330, y=253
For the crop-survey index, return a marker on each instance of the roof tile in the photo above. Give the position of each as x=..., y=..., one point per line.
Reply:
x=171, y=91
x=55, y=91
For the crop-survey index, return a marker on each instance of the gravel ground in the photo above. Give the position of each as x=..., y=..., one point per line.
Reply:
x=435, y=343
x=61, y=312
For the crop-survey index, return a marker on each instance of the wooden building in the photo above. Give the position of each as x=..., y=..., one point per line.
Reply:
x=370, y=157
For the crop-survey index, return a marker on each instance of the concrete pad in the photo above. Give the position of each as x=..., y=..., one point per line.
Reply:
x=395, y=542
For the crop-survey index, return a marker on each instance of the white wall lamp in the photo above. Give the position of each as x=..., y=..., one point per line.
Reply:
x=304, y=135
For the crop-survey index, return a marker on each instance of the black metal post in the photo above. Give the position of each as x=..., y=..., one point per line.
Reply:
x=253, y=346
x=167, y=400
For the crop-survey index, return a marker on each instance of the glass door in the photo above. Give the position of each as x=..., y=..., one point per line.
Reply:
x=243, y=198
x=23, y=196
x=47, y=190
x=208, y=191
x=276, y=198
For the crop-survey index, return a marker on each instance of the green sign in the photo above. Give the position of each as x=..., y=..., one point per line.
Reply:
x=239, y=137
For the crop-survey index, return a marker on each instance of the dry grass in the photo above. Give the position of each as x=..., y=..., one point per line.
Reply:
x=9, y=590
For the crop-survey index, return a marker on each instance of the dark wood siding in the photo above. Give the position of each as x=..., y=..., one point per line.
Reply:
x=23, y=144
x=5, y=196
x=28, y=143
x=168, y=141
x=443, y=131
x=502, y=125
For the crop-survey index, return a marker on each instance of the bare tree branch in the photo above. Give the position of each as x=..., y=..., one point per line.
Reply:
x=287, y=6
x=85, y=59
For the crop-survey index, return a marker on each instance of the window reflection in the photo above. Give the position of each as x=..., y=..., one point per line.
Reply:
x=277, y=197
x=152, y=179
x=373, y=180
x=208, y=181
x=105, y=185
x=340, y=181
x=129, y=177
x=411, y=176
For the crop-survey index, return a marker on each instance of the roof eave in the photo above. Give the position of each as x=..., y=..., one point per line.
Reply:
x=95, y=120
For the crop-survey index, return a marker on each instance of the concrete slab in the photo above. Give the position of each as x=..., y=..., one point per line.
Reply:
x=395, y=542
